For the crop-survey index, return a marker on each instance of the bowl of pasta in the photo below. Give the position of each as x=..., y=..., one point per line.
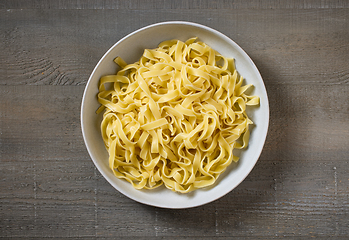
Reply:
x=175, y=115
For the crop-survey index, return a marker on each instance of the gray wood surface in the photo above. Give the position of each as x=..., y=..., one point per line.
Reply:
x=49, y=187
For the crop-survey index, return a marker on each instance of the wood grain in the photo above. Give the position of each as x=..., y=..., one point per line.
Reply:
x=168, y=4
x=314, y=53
x=49, y=187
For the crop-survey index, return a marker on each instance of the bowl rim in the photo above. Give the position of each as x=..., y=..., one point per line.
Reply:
x=221, y=35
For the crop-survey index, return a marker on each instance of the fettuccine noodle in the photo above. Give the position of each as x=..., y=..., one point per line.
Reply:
x=175, y=116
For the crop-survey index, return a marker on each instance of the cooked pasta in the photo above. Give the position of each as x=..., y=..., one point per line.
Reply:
x=175, y=116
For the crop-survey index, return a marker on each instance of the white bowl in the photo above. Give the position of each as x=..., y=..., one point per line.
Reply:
x=130, y=48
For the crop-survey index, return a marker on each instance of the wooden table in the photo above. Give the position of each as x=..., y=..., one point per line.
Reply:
x=49, y=187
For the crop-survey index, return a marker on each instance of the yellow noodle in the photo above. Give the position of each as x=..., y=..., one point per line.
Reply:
x=175, y=116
